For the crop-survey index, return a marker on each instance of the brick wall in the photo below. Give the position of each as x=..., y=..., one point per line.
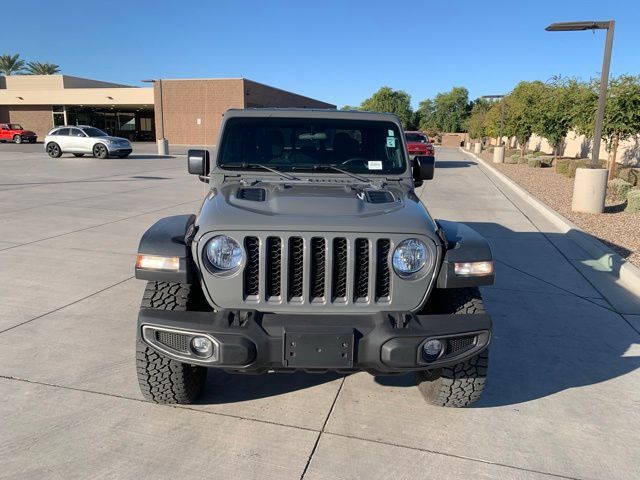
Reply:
x=258, y=95
x=186, y=101
x=37, y=118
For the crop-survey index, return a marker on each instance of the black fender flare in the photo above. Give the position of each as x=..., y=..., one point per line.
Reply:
x=463, y=244
x=169, y=237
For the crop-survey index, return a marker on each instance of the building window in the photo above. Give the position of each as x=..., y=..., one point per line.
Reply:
x=59, y=115
x=126, y=122
x=145, y=124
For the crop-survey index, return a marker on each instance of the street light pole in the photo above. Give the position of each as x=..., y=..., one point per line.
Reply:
x=602, y=101
x=163, y=143
x=590, y=185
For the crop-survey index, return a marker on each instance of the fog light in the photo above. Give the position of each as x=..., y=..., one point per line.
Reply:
x=431, y=349
x=202, y=347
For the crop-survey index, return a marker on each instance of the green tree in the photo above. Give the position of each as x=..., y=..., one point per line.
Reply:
x=39, y=68
x=557, y=113
x=425, y=116
x=476, y=124
x=622, y=113
x=452, y=110
x=392, y=101
x=11, y=64
x=523, y=110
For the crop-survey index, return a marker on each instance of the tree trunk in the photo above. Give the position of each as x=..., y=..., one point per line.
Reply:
x=612, y=162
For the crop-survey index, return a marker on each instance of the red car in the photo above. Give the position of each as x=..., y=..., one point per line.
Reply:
x=13, y=132
x=418, y=144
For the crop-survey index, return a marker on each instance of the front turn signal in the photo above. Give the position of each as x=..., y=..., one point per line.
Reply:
x=472, y=269
x=154, y=262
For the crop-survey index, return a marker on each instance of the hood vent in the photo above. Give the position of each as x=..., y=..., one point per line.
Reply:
x=252, y=194
x=379, y=196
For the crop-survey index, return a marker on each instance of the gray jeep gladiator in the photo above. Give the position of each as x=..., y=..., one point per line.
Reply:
x=312, y=252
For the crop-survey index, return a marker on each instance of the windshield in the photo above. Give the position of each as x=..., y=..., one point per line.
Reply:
x=294, y=144
x=15, y=126
x=415, y=137
x=94, y=132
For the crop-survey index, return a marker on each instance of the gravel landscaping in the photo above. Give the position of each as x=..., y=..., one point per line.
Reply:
x=616, y=228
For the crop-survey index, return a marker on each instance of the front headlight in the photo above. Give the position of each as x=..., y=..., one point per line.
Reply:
x=111, y=142
x=410, y=256
x=224, y=253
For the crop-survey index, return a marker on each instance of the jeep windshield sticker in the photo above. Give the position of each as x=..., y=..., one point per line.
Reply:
x=391, y=142
x=374, y=165
x=391, y=133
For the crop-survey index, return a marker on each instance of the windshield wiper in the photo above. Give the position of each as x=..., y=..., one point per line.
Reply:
x=259, y=166
x=336, y=169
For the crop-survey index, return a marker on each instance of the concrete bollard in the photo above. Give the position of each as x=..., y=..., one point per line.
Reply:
x=589, y=190
x=498, y=154
x=467, y=146
x=477, y=148
x=163, y=146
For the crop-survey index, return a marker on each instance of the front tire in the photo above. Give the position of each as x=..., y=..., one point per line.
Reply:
x=100, y=151
x=53, y=150
x=162, y=379
x=17, y=139
x=462, y=384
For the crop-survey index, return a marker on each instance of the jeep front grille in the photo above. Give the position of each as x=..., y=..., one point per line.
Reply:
x=317, y=270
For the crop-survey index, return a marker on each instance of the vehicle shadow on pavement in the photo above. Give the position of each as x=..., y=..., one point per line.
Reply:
x=225, y=387
x=138, y=156
x=455, y=164
x=553, y=331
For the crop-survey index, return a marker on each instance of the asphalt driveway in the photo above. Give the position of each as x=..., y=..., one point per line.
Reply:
x=561, y=402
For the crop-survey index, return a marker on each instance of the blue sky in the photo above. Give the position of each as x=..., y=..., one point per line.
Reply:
x=337, y=51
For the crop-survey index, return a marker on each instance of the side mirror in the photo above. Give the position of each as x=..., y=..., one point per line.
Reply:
x=198, y=162
x=423, y=169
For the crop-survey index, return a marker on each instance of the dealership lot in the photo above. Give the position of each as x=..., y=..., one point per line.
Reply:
x=562, y=398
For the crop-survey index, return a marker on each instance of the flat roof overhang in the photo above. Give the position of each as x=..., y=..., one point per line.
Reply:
x=80, y=96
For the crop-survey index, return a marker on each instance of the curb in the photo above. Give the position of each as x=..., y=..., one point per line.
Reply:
x=628, y=275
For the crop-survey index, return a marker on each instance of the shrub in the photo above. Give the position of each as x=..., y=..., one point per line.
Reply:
x=538, y=153
x=562, y=166
x=574, y=165
x=631, y=175
x=633, y=201
x=535, y=162
x=547, y=160
x=523, y=160
x=618, y=188
x=512, y=159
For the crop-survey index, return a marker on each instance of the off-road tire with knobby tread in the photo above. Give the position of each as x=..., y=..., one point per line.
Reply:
x=462, y=384
x=162, y=379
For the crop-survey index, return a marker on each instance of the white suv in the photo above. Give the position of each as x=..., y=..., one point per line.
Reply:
x=82, y=139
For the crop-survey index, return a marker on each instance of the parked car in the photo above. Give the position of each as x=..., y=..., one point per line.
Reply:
x=312, y=252
x=82, y=139
x=418, y=144
x=13, y=132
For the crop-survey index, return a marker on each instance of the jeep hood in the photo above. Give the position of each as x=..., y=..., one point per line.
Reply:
x=308, y=207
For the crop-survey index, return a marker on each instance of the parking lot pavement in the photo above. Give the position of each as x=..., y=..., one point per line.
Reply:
x=561, y=402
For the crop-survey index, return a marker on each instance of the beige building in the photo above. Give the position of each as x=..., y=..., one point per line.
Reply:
x=190, y=114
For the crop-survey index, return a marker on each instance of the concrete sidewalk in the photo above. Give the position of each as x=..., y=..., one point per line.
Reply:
x=561, y=402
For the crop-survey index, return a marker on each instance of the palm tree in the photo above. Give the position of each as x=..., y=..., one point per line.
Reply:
x=11, y=64
x=39, y=68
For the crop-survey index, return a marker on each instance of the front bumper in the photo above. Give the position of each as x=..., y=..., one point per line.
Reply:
x=119, y=149
x=253, y=342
